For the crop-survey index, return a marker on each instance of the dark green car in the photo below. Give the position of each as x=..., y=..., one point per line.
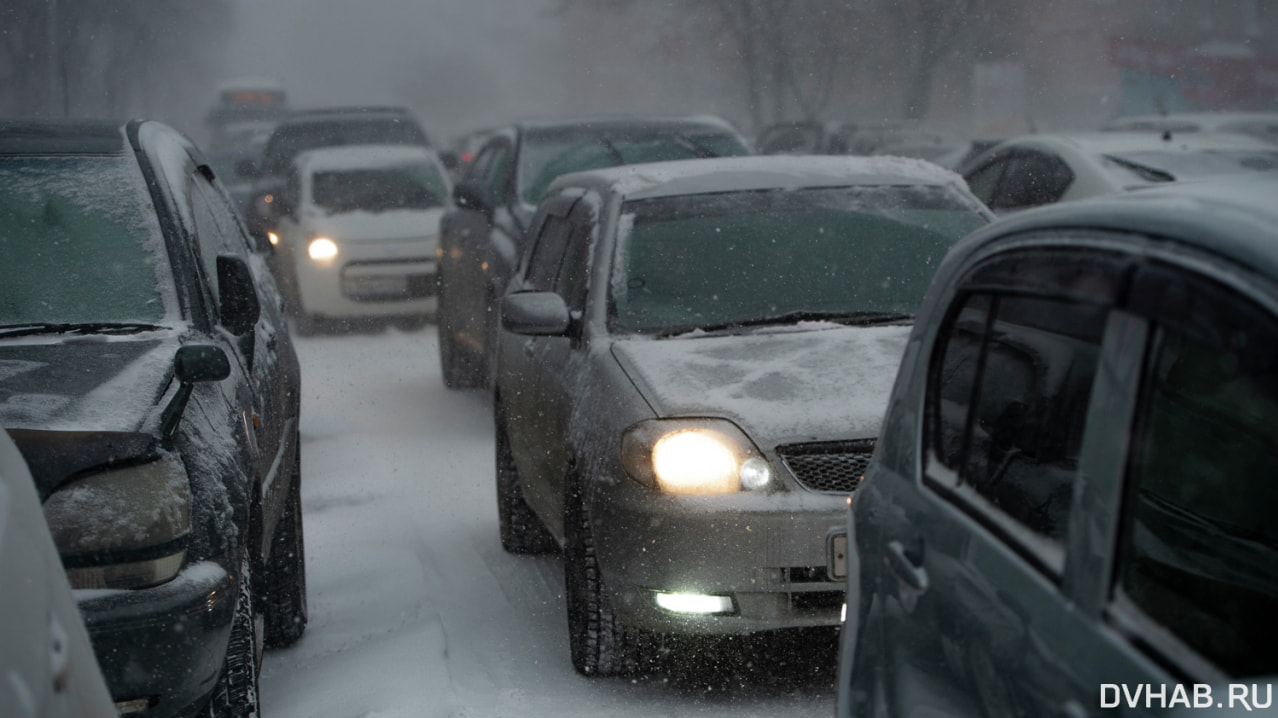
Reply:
x=147, y=377
x=1071, y=506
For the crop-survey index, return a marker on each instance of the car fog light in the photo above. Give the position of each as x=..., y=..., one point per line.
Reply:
x=694, y=603
x=755, y=474
x=322, y=249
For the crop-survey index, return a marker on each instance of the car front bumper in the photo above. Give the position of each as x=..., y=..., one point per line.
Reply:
x=369, y=278
x=163, y=646
x=770, y=554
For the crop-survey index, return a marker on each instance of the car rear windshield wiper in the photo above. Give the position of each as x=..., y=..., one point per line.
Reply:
x=114, y=328
x=855, y=319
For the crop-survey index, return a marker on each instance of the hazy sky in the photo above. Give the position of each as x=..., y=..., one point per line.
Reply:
x=459, y=63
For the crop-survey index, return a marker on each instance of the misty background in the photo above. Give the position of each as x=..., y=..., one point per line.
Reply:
x=978, y=67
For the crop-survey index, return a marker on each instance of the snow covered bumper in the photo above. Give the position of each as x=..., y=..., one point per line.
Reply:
x=766, y=559
x=162, y=649
x=369, y=278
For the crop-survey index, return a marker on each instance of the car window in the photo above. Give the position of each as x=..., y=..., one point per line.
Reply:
x=494, y=172
x=982, y=182
x=572, y=278
x=543, y=265
x=1032, y=179
x=1008, y=398
x=79, y=243
x=700, y=260
x=289, y=141
x=1199, y=546
x=408, y=186
x=214, y=234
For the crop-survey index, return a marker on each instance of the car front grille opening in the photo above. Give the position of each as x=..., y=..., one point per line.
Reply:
x=805, y=574
x=817, y=601
x=828, y=467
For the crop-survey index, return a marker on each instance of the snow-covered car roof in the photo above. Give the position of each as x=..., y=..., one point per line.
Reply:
x=353, y=157
x=1107, y=143
x=1233, y=216
x=729, y=174
x=1189, y=121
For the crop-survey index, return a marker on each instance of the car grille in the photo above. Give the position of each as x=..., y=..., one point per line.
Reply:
x=829, y=467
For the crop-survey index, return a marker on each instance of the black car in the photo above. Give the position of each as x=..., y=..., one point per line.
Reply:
x=147, y=376
x=1071, y=508
x=311, y=129
x=481, y=238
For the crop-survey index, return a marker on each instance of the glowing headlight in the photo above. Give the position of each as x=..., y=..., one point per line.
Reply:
x=123, y=528
x=693, y=456
x=322, y=249
x=694, y=603
x=273, y=238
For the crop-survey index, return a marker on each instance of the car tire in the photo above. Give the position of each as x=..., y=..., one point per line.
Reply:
x=522, y=532
x=236, y=694
x=286, y=608
x=600, y=646
x=454, y=368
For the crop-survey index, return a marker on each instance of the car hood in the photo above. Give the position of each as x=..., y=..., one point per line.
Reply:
x=784, y=387
x=392, y=224
x=84, y=385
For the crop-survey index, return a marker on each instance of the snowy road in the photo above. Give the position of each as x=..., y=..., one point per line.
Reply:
x=415, y=610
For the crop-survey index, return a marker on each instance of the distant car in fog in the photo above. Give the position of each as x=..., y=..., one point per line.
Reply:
x=45, y=655
x=149, y=380
x=693, y=364
x=1034, y=170
x=312, y=129
x=1071, y=511
x=482, y=236
x=357, y=231
x=1261, y=125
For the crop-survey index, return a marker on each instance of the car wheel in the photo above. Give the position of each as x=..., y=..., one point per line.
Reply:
x=286, y=613
x=236, y=693
x=522, y=532
x=452, y=363
x=600, y=645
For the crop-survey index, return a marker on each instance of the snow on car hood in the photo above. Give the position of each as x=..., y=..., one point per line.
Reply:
x=89, y=386
x=392, y=224
x=780, y=388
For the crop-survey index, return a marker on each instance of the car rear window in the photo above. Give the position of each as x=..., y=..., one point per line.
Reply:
x=78, y=242
x=409, y=186
x=289, y=141
x=712, y=259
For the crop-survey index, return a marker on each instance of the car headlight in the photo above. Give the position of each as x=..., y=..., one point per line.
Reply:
x=322, y=249
x=694, y=456
x=273, y=238
x=125, y=527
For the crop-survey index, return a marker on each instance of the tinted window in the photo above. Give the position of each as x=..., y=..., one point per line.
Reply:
x=410, y=186
x=1200, y=545
x=1032, y=179
x=79, y=242
x=709, y=259
x=543, y=265
x=289, y=141
x=984, y=181
x=1008, y=401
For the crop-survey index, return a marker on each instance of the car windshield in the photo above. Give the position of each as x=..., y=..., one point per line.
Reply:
x=78, y=243
x=291, y=140
x=1165, y=166
x=547, y=155
x=701, y=261
x=409, y=186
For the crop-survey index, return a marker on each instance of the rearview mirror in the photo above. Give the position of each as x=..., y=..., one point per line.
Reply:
x=238, y=305
x=196, y=363
x=535, y=314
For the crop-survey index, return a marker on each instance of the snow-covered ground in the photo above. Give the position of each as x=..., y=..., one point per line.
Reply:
x=415, y=610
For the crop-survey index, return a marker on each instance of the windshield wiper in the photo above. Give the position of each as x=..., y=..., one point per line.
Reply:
x=700, y=150
x=113, y=328
x=855, y=319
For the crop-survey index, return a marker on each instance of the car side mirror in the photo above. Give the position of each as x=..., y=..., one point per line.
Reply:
x=246, y=169
x=193, y=364
x=535, y=314
x=449, y=160
x=473, y=196
x=238, y=305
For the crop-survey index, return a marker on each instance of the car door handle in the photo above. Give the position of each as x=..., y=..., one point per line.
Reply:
x=899, y=561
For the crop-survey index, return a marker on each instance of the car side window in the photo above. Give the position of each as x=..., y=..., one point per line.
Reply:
x=543, y=265
x=984, y=180
x=1007, y=401
x=1032, y=179
x=212, y=236
x=1199, y=543
x=491, y=169
x=572, y=280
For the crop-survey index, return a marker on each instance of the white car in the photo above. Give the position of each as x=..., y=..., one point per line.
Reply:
x=357, y=231
x=1040, y=169
x=45, y=656
x=1261, y=125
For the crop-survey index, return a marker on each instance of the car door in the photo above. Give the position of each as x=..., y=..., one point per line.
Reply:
x=970, y=568
x=528, y=367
